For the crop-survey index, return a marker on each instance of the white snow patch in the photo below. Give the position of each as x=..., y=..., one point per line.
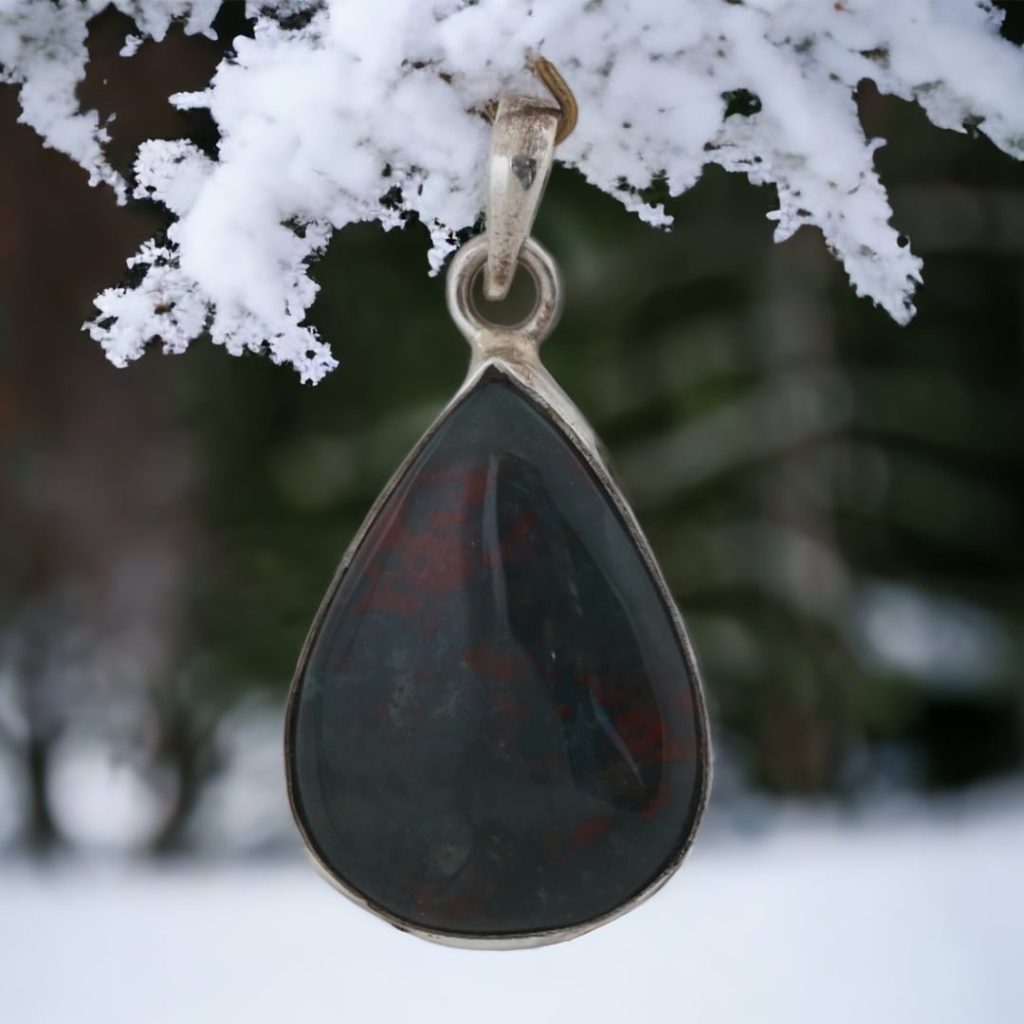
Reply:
x=131, y=46
x=100, y=801
x=943, y=642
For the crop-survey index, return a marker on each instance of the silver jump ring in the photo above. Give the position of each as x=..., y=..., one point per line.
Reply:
x=463, y=272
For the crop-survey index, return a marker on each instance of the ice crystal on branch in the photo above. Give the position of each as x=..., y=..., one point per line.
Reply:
x=339, y=111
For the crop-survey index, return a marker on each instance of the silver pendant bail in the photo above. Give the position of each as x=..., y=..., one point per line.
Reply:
x=522, y=152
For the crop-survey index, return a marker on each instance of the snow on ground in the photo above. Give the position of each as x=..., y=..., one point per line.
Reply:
x=905, y=916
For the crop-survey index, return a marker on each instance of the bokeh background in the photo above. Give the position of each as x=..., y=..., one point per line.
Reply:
x=838, y=504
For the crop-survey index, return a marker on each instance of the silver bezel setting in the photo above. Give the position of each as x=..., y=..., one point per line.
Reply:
x=513, y=353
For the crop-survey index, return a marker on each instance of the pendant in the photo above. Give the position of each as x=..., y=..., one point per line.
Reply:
x=496, y=736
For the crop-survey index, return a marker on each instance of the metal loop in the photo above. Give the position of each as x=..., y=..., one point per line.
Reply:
x=526, y=130
x=480, y=332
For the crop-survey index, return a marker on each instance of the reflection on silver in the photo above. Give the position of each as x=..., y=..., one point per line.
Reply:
x=522, y=152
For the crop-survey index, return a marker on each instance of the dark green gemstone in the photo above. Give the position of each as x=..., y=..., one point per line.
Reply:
x=496, y=730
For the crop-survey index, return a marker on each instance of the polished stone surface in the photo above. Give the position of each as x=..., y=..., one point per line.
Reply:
x=496, y=728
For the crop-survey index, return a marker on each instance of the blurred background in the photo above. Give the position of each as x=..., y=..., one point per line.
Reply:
x=838, y=504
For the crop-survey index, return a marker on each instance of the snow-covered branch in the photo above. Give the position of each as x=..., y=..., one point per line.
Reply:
x=339, y=111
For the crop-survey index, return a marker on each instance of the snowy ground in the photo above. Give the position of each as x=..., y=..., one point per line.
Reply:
x=908, y=915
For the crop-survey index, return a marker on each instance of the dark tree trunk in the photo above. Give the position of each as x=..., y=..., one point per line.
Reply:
x=186, y=749
x=41, y=835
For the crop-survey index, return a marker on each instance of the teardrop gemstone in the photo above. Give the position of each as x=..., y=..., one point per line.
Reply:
x=496, y=730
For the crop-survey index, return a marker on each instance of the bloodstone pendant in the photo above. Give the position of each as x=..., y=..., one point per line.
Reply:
x=496, y=735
